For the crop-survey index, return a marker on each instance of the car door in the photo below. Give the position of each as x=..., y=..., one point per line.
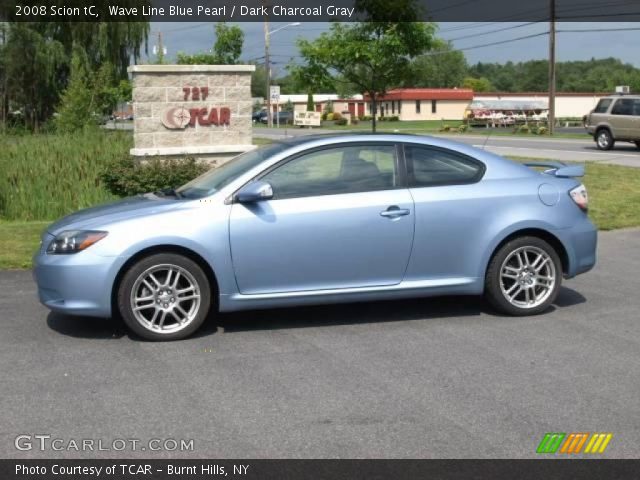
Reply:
x=622, y=119
x=450, y=213
x=341, y=217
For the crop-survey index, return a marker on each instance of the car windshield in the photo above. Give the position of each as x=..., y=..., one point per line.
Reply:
x=216, y=178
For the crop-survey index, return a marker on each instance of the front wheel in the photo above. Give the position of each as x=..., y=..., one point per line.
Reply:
x=164, y=297
x=523, y=277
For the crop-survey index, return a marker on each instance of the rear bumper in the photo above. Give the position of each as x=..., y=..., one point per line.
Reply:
x=78, y=284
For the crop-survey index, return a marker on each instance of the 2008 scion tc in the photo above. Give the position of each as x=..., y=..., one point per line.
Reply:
x=322, y=219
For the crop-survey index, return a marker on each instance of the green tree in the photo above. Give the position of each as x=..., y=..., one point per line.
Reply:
x=445, y=69
x=288, y=106
x=259, y=82
x=33, y=70
x=477, y=84
x=373, y=55
x=35, y=59
x=311, y=106
x=78, y=100
x=229, y=41
x=226, y=49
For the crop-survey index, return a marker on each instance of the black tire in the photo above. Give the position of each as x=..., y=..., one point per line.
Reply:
x=604, y=139
x=187, y=272
x=637, y=144
x=494, y=277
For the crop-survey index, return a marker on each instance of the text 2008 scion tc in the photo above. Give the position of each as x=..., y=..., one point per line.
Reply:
x=319, y=220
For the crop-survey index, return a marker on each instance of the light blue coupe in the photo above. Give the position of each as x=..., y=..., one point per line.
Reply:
x=320, y=219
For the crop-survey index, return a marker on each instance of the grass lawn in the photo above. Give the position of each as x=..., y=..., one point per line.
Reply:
x=18, y=242
x=434, y=126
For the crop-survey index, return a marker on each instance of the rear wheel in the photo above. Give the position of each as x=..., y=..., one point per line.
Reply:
x=164, y=297
x=604, y=139
x=637, y=144
x=523, y=277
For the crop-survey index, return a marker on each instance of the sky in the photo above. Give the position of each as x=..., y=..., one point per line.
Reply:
x=469, y=37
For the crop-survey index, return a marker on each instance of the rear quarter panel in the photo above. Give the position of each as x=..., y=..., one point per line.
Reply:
x=459, y=227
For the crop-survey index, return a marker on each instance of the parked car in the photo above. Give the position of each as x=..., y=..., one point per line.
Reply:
x=283, y=118
x=258, y=116
x=615, y=118
x=323, y=219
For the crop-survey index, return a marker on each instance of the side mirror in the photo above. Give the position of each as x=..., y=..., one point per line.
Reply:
x=254, y=192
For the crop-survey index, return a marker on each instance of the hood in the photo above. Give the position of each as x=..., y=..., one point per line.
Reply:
x=120, y=210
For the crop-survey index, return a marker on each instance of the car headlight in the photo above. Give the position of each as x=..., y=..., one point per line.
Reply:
x=74, y=241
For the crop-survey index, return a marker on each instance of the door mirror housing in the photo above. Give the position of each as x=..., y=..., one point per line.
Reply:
x=254, y=192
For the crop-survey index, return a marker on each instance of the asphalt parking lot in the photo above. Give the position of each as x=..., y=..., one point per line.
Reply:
x=405, y=379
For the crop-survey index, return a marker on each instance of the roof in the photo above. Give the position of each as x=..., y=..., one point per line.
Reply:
x=317, y=98
x=542, y=94
x=428, y=94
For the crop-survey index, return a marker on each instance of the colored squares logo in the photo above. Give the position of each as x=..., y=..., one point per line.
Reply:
x=574, y=443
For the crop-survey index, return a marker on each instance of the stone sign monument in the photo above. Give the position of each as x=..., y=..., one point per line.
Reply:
x=201, y=111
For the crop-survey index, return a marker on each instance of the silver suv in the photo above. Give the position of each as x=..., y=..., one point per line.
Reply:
x=615, y=118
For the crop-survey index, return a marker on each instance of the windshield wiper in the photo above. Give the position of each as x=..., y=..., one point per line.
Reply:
x=169, y=192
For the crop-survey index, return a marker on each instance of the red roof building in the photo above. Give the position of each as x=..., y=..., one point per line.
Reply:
x=423, y=103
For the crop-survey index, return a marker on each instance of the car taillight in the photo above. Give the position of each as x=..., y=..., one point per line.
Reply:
x=579, y=195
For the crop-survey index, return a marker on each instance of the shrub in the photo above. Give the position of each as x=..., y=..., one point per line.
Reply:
x=524, y=129
x=463, y=128
x=542, y=130
x=394, y=118
x=445, y=128
x=330, y=116
x=323, y=117
x=341, y=121
x=337, y=116
x=127, y=177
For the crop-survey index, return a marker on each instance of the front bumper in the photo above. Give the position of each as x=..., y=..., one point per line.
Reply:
x=76, y=284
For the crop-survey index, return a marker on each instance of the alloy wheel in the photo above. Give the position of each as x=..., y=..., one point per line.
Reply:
x=527, y=277
x=165, y=298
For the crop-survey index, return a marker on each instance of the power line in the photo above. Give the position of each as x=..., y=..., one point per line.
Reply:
x=442, y=52
x=474, y=35
x=623, y=29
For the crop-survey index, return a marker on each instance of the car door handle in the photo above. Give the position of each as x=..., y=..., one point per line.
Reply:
x=395, y=211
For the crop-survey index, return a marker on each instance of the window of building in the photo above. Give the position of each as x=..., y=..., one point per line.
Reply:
x=434, y=106
x=417, y=106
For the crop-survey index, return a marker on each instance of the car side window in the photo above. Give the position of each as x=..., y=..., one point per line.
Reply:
x=336, y=170
x=603, y=106
x=429, y=167
x=623, y=106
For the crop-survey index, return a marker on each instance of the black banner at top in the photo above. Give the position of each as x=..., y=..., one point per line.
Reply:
x=319, y=10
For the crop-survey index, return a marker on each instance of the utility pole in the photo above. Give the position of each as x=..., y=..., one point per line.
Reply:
x=160, y=51
x=267, y=66
x=552, y=67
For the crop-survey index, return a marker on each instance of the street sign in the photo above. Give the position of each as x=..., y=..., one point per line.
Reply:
x=275, y=93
